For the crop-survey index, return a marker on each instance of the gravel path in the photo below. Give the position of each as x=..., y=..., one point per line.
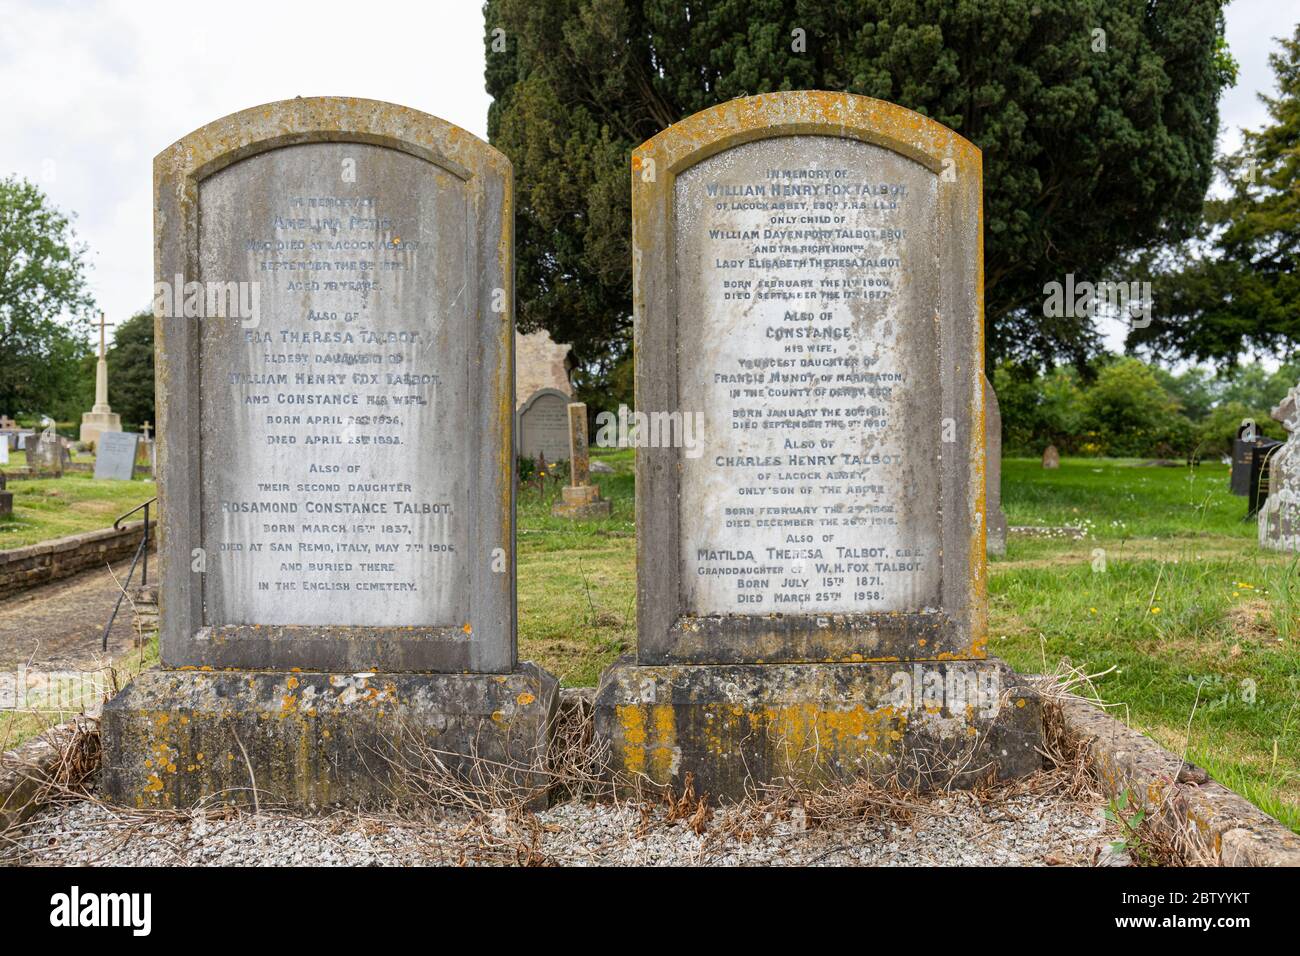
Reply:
x=59, y=625
x=953, y=829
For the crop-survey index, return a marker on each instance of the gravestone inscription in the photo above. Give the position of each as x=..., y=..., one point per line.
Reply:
x=334, y=278
x=544, y=425
x=807, y=295
x=115, y=455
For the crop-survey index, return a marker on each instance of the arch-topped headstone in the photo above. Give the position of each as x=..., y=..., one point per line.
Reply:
x=808, y=294
x=543, y=425
x=335, y=446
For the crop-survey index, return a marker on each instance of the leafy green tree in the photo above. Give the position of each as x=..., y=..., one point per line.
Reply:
x=1236, y=286
x=1089, y=153
x=1196, y=389
x=44, y=302
x=1019, y=401
x=1040, y=409
x=1130, y=414
x=130, y=371
x=1215, y=434
x=1062, y=414
x=1253, y=385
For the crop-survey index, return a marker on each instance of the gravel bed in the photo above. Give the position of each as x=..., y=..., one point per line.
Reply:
x=953, y=829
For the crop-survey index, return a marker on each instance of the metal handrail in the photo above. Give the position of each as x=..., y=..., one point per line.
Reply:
x=141, y=551
x=121, y=518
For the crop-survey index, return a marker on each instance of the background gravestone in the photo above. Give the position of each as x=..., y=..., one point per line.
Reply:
x=115, y=455
x=47, y=453
x=337, y=511
x=1279, y=516
x=811, y=588
x=544, y=425
x=997, y=535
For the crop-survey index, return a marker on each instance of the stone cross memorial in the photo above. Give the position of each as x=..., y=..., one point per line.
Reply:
x=811, y=593
x=335, y=455
x=579, y=498
x=115, y=454
x=101, y=417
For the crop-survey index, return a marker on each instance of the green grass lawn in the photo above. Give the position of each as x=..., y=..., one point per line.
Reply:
x=55, y=507
x=1198, y=627
x=577, y=579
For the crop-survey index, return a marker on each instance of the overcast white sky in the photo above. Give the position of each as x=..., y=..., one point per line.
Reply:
x=91, y=91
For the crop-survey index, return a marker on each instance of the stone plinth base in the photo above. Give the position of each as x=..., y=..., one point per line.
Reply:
x=93, y=424
x=310, y=740
x=582, y=501
x=738, y=727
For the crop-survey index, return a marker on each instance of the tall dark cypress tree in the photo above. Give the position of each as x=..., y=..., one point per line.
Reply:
x=1089, y=154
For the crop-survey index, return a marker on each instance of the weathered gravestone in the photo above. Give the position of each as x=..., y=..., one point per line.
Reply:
x=337, y=510
x=6, y=498
x=1051, y=457
x=544, y=425
x=539, y=363
x=48, y=453
x=811, y=589
x=115, y=455
x=579, y=498
x=144, y=453
x=1279, y=517
x=997, y=534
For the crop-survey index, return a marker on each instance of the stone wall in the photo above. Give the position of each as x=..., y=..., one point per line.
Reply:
x=22, y=568
x=539, y=364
